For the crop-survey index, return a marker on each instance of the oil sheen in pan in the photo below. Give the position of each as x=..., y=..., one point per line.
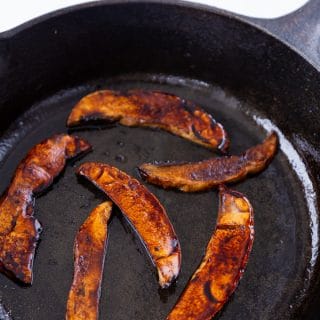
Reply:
x=279, y=268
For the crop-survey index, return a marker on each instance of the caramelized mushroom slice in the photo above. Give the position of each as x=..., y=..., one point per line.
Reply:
x=89, y=255
x=223, y=264
x=19, y=230
x=145, y=214
x=151, y=109
x=203, y=175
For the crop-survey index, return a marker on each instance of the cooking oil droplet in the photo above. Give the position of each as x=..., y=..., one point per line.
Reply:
x=120, y=144
x=121, y=158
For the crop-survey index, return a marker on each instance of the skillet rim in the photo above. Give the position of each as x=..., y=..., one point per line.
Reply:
x=178, y=3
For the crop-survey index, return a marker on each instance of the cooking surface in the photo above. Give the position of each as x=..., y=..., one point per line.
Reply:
x=273, y=281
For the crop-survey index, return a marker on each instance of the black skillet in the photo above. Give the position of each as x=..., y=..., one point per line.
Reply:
x=249, y=79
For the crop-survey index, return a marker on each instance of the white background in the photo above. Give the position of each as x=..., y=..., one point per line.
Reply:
x=15, y=12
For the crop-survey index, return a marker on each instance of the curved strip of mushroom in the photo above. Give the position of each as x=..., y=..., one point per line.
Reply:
x=144, y=212
x=222, y=267
x=203, y=175
x=151, y=109
x=89, y=256
x=19, y=230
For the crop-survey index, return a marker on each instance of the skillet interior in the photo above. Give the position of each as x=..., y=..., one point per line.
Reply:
x=242, y=74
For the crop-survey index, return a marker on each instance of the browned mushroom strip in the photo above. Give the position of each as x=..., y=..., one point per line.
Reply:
x=89, y=255
x=151, y=109
x=19, y=230
x=223, y=264
x=144, y=212
x=203, y=175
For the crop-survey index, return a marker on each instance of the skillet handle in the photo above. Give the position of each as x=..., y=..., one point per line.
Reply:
x=300, y=29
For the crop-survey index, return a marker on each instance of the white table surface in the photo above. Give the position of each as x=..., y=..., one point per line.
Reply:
x=15, y=12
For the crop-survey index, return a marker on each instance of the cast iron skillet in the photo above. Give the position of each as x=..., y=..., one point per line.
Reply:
x=247, y=78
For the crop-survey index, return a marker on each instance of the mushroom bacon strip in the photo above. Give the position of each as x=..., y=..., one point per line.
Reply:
x=144, y=212
x=223, y=264
x=89, y=255
x=19, y=230
x=151, y=109
x=203, y=175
